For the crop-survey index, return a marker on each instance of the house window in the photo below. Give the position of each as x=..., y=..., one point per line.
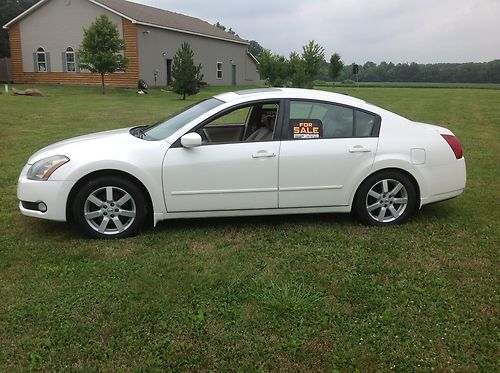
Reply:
x=219, y=70
x=41, y=59
x=70, y=60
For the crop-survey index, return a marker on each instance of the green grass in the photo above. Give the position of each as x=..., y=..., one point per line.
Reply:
x=301, y=293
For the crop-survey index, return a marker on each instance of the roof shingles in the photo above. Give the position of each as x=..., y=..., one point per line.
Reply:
x=164, y=18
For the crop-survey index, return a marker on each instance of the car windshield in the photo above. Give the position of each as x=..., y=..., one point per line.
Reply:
x=167, y=127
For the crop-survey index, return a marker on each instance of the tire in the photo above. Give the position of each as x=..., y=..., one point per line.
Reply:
x=109, y=207
x=385, y=198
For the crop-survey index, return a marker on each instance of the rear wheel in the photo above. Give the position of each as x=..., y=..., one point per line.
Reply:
x=110, y=207
x=386, y=198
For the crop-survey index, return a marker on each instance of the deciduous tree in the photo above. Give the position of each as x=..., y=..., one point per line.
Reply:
x=9, y=9
x=313, y=55
x=101, y=49
x=273, y=68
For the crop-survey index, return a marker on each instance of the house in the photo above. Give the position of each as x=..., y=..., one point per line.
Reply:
x=45, y=38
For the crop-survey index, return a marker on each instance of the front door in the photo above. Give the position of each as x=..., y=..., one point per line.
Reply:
x=325, y=149
x=232, y=171
x=233, y=74
x=169, y=72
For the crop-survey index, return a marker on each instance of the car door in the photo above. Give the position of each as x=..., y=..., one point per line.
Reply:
x=325, y=148
x=231, y=175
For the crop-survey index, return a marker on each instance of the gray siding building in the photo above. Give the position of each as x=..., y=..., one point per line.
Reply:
x=44, y=40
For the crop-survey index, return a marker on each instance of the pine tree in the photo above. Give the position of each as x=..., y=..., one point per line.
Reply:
x=101, y=48
x=186, y=75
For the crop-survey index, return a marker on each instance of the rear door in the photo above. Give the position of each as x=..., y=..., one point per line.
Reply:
x=325, y=148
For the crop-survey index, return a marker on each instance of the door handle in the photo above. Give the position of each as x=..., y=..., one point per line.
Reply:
x=263, y=154
x=359, y=149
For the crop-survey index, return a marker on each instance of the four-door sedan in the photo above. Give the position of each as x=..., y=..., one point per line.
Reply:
x=254, y=152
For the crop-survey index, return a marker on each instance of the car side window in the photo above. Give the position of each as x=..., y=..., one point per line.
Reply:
x=255, y=122
x=234, y=118
x=364, y=124
x=310, y=119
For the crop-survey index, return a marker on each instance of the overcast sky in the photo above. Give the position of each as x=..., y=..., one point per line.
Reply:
x=423, y=31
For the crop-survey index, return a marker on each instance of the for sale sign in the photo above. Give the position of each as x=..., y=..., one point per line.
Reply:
x=306, y=129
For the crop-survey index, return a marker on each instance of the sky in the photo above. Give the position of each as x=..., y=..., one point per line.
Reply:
x=422, y=31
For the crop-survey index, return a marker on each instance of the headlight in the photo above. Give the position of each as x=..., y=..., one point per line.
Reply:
x=42, y=169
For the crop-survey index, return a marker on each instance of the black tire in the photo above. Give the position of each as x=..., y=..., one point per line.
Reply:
x=118, y=200
x=385, y=198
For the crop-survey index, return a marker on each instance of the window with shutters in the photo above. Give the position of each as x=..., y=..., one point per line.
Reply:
x=41, y=60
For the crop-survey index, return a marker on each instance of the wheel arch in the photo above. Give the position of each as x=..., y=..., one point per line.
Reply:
x=388, y=169
x=108, y=172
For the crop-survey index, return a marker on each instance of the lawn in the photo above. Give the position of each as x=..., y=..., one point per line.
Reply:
x=301, y=293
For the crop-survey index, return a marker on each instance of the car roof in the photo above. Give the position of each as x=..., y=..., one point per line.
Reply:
x=269, y=93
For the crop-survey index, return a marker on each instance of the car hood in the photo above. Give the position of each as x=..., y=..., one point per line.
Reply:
x=81, y=144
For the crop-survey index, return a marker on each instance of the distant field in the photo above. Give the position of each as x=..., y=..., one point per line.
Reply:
x=415, y=85
x=290, y=293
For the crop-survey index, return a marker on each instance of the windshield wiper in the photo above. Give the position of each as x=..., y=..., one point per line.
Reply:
x=139, y=132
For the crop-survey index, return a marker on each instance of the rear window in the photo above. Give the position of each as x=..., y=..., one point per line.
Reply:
x=310, y=119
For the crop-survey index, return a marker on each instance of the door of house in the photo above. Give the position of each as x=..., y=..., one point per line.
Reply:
x=234, y=74
x=169, y=72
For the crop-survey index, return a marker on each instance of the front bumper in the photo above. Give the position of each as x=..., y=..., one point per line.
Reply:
x=54, y=194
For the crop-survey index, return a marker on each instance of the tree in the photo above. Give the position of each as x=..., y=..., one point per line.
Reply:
x=313, y=55
x=273, y=68
x=9, y=9
x=297, y=70
x=186, y=75
x=101, y=47
x=304, y=68
x=336, y=66
x=255, y=49
x=224, y=28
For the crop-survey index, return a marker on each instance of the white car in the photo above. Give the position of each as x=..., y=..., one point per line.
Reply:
x=253, y=152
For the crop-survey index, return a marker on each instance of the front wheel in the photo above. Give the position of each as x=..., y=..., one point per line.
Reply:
x=109, y=207
x=385, y=198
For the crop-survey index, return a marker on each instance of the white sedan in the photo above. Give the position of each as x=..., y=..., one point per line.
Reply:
x=254, y=152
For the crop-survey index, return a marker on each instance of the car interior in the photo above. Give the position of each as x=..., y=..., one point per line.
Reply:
x=256, y=122
x=337, y=121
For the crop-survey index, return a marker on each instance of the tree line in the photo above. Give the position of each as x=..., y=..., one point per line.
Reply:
x=472, y=72
x=278, y=70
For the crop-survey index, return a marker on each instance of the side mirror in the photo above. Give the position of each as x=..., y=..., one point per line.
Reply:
x=191, y=140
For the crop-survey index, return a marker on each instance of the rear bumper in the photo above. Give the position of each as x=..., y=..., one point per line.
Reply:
x=443, y=182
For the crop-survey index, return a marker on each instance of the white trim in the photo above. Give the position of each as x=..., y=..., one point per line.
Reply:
x=296, y=189
x=223, y=191
x=253, y=58
x=189, y=32
x=25, y=13
x=112, y=11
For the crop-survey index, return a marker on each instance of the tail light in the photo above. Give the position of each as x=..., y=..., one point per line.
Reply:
x=454, y=145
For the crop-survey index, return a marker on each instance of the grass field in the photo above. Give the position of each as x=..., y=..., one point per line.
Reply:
x=289, y=293
x=412, y=85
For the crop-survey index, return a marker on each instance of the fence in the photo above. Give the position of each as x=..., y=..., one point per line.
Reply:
x=5, y=70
